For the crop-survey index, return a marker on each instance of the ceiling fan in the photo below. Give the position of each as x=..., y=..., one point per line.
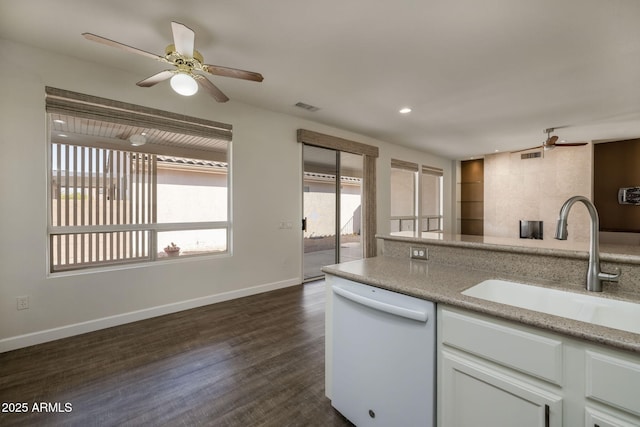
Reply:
x=186, y=60
x=550, y=143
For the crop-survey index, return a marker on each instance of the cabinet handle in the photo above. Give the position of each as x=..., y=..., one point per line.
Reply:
x=546, y=416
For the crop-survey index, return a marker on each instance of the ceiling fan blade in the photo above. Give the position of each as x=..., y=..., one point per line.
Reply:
x=211, y=88
x=156, y=78
x=551, y=140
x=183, y=39
x=232, y=72
x=571, y=144
x=539, y=147
x=125, y=47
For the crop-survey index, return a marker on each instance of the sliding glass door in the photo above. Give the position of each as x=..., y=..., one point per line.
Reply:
x=350, y=211
x=332, y=208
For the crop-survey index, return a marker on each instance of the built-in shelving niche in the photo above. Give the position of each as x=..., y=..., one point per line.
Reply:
x=471, y=187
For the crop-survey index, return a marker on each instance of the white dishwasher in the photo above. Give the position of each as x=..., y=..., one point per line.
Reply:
x=383, y=356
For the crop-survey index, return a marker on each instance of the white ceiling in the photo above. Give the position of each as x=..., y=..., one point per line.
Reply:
x=480, y=75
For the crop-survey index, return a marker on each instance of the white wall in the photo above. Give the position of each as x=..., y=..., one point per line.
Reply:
x=264, y=193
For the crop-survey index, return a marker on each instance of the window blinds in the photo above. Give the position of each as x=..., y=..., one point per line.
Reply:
x=113, y=122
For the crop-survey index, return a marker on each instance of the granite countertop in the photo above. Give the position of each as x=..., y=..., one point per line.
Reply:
x=608, y=252
x=443, y=284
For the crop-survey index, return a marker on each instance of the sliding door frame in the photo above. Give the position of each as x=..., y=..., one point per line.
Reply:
x=369, y=154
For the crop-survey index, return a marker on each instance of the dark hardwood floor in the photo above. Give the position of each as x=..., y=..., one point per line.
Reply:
x=254, y=361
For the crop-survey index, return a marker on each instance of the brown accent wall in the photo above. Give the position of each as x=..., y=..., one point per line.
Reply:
x=472, y=197
x=616, y=165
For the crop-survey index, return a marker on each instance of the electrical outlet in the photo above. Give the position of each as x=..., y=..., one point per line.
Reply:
x=22, y=303
x=419, y=252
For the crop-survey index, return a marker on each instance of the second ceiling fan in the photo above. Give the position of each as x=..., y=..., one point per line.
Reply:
x=551, y=142
x=186, y=60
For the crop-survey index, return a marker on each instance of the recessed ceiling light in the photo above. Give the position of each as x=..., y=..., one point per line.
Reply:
x=59, y=121
x=63, y=135
x=405, y=110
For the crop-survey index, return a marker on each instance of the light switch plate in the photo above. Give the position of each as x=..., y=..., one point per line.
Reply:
x=22, y=303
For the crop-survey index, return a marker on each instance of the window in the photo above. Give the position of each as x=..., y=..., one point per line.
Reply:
x=403, y=196
x=416, y=198
x=114, y=202
x=431, y=214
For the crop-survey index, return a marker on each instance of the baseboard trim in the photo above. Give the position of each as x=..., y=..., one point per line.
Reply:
x=26, y=340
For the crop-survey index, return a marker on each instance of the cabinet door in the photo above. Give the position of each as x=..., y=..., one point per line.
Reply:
x=613, y=379
x=475, y=394
x=597, y=418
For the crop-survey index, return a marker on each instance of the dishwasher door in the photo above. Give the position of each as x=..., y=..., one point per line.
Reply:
x=383, y=356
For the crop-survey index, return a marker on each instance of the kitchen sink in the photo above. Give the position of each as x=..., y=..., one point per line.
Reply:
x=612, y=313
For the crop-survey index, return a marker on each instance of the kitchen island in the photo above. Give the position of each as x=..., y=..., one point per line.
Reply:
x=443, y=284
x=560, y=368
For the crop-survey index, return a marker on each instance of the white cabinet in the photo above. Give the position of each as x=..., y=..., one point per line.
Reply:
x=474, y=394
x=488, y=375
x=612, y=382
x=500, y=373
x=529, y=353
x=598, y=418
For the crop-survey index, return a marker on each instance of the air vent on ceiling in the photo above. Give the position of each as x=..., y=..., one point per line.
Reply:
x=307, y=107
x=533, y=155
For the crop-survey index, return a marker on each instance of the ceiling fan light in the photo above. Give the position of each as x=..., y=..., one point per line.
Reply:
x=137, y=140
x=184, y=84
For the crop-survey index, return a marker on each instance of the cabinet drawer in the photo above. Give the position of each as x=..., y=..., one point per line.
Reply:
x=526, y=352
x=613, y=381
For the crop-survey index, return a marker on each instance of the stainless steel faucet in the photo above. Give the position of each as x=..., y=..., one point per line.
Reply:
x=595, y=276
